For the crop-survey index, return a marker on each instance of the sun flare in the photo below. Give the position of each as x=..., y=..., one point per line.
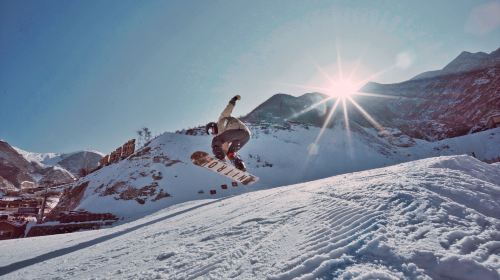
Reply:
x=342, y=88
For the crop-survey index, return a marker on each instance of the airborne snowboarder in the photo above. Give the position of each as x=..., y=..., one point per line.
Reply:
x=231, y=135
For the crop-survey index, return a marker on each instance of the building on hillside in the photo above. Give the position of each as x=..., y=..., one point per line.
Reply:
x=71, y=221
x=27, y=211
x=12, y=229
x=12, y=192
x=28, y=185
x=82, y=216
x=12, y=204
x=493, y=121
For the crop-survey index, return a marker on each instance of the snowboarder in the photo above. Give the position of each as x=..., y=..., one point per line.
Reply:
x=231, y=135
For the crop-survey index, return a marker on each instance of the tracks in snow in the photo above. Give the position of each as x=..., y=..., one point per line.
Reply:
x=248, y=248
x=345, y=227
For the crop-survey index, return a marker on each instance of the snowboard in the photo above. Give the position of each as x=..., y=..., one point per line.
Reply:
x=223, y=168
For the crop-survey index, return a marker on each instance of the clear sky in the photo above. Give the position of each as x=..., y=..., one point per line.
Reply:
x=87, y=74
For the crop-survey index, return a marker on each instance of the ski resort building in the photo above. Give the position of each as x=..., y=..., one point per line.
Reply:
x=13, y=204
x=12, y=229
x=71, y=221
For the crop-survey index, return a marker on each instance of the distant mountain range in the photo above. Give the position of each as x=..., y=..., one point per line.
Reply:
x=435, y=105
x=19, y=168
x=465, y=62
x=454, y=101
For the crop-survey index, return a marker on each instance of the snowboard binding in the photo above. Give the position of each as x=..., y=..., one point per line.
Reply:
x=236, y=161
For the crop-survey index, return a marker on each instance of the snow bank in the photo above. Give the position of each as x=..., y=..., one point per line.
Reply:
x=417, y=220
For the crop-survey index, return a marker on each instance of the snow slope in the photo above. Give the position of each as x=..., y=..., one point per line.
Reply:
x=41, y=158
x=435, y=218
x=138, y=185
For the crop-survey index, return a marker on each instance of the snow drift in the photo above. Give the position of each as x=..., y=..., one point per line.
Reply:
x=434, y=218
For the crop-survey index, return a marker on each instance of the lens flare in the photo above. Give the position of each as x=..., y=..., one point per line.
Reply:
x=343, y=88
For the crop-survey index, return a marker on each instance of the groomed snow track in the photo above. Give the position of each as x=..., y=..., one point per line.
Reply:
x=436, y=218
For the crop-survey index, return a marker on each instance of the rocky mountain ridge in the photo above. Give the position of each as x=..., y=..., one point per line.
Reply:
x=465, y=62
x=440, y=107
x=456, y=102
x=21, y=169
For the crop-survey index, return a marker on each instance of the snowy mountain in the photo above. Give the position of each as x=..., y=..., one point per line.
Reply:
x=465, y=62
x=72, y=162
x=161, y=174
x=18, y=167
x=435, y=218
x=16, y=172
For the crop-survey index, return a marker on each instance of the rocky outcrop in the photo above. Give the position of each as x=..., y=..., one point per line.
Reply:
x=13, y=167
x=69, y=200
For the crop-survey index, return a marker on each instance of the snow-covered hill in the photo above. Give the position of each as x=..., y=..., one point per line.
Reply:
x=161, y=174
x=434, y=218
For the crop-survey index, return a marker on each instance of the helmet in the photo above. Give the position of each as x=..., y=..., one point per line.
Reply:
x=212, y=126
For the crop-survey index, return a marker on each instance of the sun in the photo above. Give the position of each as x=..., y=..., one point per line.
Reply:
x=342, y=88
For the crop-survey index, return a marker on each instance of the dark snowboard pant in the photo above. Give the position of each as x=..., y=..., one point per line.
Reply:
x=237, y=137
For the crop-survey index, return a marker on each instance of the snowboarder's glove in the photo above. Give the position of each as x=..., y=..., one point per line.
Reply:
x=233, y=100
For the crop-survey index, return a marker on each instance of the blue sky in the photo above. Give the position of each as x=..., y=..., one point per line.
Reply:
x=87, y=74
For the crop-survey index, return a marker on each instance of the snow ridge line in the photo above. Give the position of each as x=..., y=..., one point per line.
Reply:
x=64, y=251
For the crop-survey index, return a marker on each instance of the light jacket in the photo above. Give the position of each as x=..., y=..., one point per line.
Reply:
x=226, y=122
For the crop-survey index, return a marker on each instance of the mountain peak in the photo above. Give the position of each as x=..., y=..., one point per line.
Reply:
x=496, y=53
x=281, y=107
x=313, y=95
x=464, y=62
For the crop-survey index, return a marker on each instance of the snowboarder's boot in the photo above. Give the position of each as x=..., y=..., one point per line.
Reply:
x=236, y=161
